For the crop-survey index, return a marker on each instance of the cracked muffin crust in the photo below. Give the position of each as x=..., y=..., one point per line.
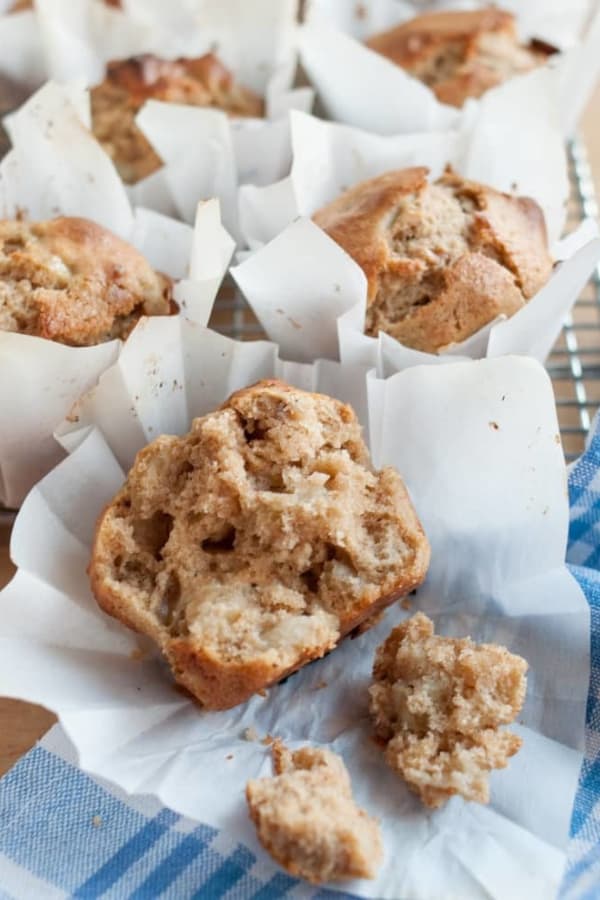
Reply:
x=74, y=282
x=442, y=259
x=307, y=819
x=203, y=81
x=460, y=54
x=438, y=703
x=255, y=543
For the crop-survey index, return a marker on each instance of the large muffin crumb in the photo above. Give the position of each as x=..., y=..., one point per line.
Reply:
x=442, y=259
x=253, y=544
x=74, y=282
x=306, y=818
x=203, y=81
x=460, y=54
x=438, y=704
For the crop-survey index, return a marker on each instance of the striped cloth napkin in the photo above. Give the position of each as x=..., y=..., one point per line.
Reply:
x=64, y=834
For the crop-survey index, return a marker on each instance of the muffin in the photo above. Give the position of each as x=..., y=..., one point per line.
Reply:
x=254, y=543
x=129, y=83
x=460, y=54
x=437, y=704
x=307, y=819
x=442, y=259
x=74, y=282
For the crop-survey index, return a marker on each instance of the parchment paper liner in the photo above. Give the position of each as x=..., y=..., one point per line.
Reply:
x=360, y=87
x=310, y=296
x=55, y=168
x=206, y=152
x=478, y=445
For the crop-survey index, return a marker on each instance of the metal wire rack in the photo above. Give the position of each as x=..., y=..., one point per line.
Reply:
x=574, y=364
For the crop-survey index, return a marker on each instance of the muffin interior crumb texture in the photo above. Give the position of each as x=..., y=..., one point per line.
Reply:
x=203, y=81
x=306, y=818
x=438, y=703
x=460, y=54
x=251, y=545
x=442, y=259
x=72, y=281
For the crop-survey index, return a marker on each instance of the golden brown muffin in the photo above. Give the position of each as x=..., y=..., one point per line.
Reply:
x=460, y=54
x=443, y=259
x=437, y=703
x=129, y=83
x=307, y=819
x=255, y=543
x=72, y=281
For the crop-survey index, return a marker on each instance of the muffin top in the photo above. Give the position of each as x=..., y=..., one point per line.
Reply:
x=441, y=259
x=203, y=81
x=460, y=54
x=74, y=282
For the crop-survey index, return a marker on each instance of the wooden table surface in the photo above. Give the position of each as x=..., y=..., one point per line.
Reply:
x=22, y=724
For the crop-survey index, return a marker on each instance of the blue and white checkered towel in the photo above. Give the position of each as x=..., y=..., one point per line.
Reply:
x=64, y=834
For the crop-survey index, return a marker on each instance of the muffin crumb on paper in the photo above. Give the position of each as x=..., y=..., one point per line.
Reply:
x=438, y=704
x=307, y=819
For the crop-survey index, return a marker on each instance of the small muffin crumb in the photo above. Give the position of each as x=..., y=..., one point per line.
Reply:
x=437, y=704
x=306, y=817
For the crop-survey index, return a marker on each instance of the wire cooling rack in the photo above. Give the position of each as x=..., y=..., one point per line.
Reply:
x=574, y=364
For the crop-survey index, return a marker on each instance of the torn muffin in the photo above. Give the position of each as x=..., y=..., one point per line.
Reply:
x=308, y=821
x=460, y=54
x=72, y=281
x=203, y=81
x=437, y=704
x=442, y=259
x=255, y=543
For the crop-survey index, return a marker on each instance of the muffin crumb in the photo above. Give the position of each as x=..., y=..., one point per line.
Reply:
x=437, y=703
x=307, y=819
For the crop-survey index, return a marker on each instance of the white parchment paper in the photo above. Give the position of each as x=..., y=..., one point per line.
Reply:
x=478, y=446
x=362, y=88
x=206, y=153
x=310, y=296
x=54, y=168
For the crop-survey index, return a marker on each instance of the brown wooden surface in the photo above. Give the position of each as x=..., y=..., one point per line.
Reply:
x=22, y=724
